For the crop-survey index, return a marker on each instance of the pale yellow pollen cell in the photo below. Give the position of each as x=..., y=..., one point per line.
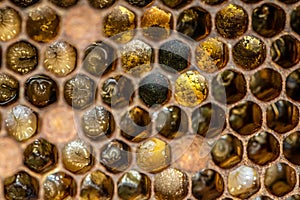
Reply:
x=191, y=89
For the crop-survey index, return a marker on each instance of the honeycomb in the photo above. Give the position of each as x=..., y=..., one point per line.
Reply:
x=149, y=99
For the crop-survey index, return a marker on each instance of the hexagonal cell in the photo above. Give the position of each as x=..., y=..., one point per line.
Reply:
x=60, y=58
x=10, y=25
x=227, y=151
x=136, y=57
x=64, y=3
x=77, y=156
x=99, y=58
x=280, y=179
x=229, y=86
x=292, y=85
x=291, y=148
x=295, y=20
x=266, y=84
x=153, y=155
x=263, y=148
x=249, y=52
x=134, y=185
x=174, y=56
x=97, y=185
x=209, y=120
x=231, y=21
x=282, y=116
x=135, y=124
x=194, y=22
x=42, y=24
x=211, y=55
x=59, y=186
x=191, y=88
x=213, y=2
x=40, y=156
x=118, y=91
x=9, y=89
x=171, y=184
x=139, y=3
x=116, y=156
x=119, y=24
x=207, y=184
x=175, y=3
x=156, y=23
x=100, y=4
x=245, y=118
x=268, y=20
x=21, y=186
x=22, y=57
x=285, y=51
x=154, y=90
x=97, y=123
x=41, y=90
x=21, y=123
x=80, y=91
x=243, y=182
x=171, y=122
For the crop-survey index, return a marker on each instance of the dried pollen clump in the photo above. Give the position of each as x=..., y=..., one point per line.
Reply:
x=231, y=21
x=119, y=24
x=136, y=57
x=174, y=56
x=10, y=24
x=211, y=55
x=22, y=57
x=60, y=58
x=249, y=52
x=42, y=24
x=191, y=89
x=154, y=89
x=156, y=23
x=171, y=184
